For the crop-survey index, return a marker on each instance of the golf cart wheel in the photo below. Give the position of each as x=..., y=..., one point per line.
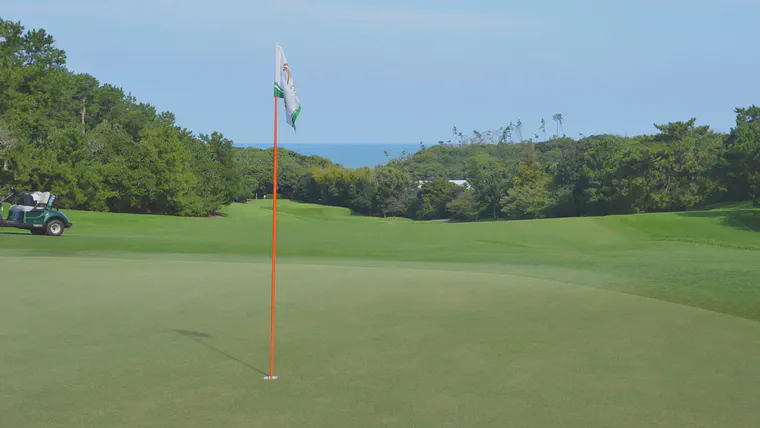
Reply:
x=54, y=228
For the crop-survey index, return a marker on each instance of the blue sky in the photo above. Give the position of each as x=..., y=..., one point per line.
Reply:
x=407, y=71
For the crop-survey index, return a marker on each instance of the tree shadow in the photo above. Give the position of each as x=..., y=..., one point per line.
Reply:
x=15, y=233
x=197, y=336
x=742, y=219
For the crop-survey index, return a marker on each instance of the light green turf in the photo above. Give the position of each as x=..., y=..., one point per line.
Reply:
x=625, y=321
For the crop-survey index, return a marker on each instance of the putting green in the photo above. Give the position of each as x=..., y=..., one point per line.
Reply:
x=167, y=342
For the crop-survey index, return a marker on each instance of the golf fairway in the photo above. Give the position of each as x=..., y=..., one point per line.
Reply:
x=624, y=321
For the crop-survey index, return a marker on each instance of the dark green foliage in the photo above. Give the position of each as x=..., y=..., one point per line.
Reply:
x=489, y=177
x=529, y=196
x=463, y=207
x=432, y=200
x=395, y=191
x=681, y=167
x=743, y=146
x=100, y=149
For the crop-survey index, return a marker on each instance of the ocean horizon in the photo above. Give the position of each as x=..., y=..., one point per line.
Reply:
x=350, y=155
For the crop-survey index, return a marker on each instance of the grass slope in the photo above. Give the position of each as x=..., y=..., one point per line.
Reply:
x=626, y=321
x=706, y=259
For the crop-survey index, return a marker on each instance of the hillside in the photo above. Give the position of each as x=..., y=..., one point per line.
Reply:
x=706, y=259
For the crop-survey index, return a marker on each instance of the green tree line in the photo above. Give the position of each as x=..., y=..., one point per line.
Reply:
x=682, y=166
x=101, y=149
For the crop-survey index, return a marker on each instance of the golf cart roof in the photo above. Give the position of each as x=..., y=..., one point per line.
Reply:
x=41, y=197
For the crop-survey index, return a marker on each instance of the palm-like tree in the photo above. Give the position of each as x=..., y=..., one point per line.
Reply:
x=504, y=135
x=558, y=118
x=518, y=129
x=543, y=128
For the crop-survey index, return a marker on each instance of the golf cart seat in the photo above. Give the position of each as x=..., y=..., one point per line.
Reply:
x=29, y=202
x=16, y=212
x=22, y=208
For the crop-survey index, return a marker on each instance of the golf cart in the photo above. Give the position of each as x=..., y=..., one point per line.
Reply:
x=34, y=212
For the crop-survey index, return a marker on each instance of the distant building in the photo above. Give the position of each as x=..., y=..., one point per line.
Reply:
x=460, y=183
x=463, y=183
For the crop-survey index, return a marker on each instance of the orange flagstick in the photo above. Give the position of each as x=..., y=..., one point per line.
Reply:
x=287, y=91
x=274, y=247
x=274, y=244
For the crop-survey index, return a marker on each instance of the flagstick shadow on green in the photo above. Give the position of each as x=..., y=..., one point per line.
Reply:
x=197, y=336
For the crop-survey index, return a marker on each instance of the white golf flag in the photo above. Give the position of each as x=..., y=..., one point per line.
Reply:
x=284, y=87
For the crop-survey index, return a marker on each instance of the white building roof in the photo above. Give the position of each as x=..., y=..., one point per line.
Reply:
x=457, y=182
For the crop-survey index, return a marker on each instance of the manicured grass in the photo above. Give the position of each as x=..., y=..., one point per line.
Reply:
x=625, y=321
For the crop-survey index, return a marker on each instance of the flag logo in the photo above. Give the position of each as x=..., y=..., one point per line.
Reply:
x=285, y=88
